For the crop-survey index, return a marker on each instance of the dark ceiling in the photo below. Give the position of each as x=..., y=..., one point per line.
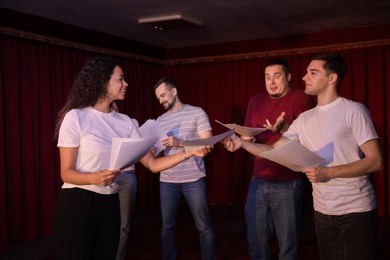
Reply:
x=222, y=20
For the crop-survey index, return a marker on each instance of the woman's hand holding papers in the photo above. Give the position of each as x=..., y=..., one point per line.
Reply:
x=201, y=152
x=106, y=177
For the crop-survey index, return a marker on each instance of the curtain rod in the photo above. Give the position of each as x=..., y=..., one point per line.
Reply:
x=75, y=45
x=205, y=59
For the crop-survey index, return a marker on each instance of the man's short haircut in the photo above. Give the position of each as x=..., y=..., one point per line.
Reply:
x=280, y=61
x=334, y=63
x=169, y=82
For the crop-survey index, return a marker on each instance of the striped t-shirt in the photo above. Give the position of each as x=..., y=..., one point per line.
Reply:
x=185, y=124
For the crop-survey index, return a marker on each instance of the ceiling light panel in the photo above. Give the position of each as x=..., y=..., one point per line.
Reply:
x=170, y=22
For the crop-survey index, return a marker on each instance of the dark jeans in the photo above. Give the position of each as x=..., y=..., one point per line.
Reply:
x=351, y=236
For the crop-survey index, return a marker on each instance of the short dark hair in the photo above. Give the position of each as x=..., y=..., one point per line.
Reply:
x=280, y=61
x=171, y=83
x=334, y=63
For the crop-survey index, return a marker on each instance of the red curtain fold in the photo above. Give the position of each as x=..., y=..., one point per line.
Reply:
x=366, y=83
x=376, y=88
x=36, y=77
x=3, y=180
x=384, y=195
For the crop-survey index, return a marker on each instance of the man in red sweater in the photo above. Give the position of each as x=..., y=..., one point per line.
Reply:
x=275, y=192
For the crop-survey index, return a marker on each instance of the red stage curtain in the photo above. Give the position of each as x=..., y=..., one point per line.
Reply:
x=35, y=78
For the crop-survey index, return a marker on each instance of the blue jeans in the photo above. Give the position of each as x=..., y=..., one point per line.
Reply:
x=273, y=204
x=195, y=194
x=349, y=236
x=127, y=181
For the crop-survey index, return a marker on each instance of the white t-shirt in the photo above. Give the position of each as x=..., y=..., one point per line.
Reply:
x=92, y=132
x=185, y=124
x=335, y=132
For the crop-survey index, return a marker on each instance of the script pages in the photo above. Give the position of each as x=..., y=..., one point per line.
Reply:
x=243, y=130
x=128, y=151
x=190, y=145
x=151, y=128
x=293, y=155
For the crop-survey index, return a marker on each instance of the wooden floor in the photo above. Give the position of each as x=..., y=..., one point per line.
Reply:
x=229, y=225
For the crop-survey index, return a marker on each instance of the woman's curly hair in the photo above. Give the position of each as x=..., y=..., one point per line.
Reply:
x=90, y=85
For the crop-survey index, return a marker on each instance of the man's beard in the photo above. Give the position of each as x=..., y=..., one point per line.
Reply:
x=170, y=105
x=276, y=95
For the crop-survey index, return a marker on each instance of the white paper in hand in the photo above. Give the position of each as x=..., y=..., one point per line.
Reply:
x=193, y=145
x=128, y=151
x=151, y=128
x=243, y=130
x=293, y=155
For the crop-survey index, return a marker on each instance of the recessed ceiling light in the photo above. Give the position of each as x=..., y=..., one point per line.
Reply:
x=170, y=22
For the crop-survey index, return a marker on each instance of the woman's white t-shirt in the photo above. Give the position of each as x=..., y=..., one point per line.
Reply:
x=92, y=132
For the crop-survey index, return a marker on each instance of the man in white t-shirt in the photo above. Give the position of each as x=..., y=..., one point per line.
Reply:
x=342, y=133
x=183, y=122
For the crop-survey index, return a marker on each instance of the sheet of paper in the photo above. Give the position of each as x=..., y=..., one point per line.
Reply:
x=128, y=151
x=293, y=155
x=151, y=128
x=243, y=130
x=190, y=145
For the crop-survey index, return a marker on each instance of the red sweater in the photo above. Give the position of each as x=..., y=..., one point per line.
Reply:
x=262, y=107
